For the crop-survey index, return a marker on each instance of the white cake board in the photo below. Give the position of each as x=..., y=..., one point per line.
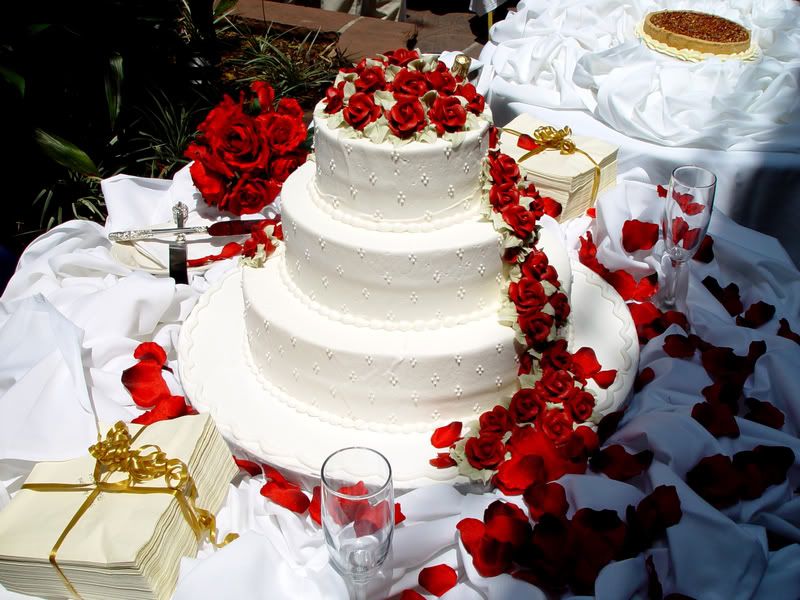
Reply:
x=218, y=377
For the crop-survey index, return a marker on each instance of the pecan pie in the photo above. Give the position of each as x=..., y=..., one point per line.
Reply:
x=703, y=32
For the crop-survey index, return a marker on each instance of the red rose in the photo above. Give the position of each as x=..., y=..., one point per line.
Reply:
x=547, y=498
x=250, y=195
x=580, y=406
x=537, y=206
x=526, y=405
x=521, y=220
x=211, y=186
x=556, y=425
x=406, y=117
x=401, y=56
x=475, y=102
x=495, y=422
x=503, y=194
x=535, y=264
x=560, y=304
x=484, y=452
x=280, y=168
x=370, y=80
x=361, y=110
x=551, y=276
x=258, y=236
x=290, y=107
x=264, y=93
x=447, y=114
x=527, y=295
x=412, y=83
x=557, y=356
x=503, y=168
x=334, y=99
x=238, y=139
x=525, y=364
x=518, y=473
x=559, y=385
x=283, y=133
x=441, y=79
x=536, y=327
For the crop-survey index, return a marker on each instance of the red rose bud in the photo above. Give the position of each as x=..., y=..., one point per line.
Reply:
x=406, y=117
x=411, y=83
x=334, y=99
x=264, y=93
x=361, y=110
x=370, y=80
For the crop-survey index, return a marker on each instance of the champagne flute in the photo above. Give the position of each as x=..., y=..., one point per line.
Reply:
x=687, y=213
x=357, y=511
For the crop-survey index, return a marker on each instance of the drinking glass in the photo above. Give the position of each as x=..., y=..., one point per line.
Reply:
x=357, y=510
x=687, y=213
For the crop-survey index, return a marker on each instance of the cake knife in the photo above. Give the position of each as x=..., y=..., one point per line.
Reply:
x=219, y=229
x=177, y=248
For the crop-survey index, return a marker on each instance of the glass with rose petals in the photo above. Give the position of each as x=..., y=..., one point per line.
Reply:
x=687, y=213
x=357, y=510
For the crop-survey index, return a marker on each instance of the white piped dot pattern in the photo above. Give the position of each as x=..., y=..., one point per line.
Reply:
x=401, y=198
x=458, y=391
x=479, y=370
x=461, y=293
x=425, y=179
x=435, y=379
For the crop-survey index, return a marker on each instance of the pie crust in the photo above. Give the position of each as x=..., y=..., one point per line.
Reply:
x=702, y=32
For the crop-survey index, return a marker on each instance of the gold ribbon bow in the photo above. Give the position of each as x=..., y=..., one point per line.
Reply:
x=550, y=138
x=115, y=454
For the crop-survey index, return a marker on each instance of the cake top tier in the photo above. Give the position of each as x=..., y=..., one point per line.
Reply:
x=400, y=97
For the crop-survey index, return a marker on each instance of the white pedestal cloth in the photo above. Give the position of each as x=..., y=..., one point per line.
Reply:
x=71, y=318
x=580, y=63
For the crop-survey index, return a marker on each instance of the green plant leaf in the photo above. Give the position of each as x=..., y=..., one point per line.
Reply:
x=113, y=81
x=224, y=7
x=65, y=153
x=16, y=80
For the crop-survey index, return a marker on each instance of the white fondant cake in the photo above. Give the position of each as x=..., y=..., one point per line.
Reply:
x=388, y=324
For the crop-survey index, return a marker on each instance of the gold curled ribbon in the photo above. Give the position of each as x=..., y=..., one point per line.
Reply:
x=550, y=138
x=114, y=454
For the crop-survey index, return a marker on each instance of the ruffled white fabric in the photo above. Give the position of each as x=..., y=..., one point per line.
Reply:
x=72, y=316
x=584, y=54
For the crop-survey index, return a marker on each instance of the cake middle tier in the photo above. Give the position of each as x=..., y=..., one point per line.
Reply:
x=386, y=279
x=373, y=378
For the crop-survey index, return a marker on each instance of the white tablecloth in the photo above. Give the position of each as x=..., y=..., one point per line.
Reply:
x=72, y=316
x=579, y=62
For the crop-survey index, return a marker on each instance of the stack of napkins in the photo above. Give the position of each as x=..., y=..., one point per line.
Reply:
x=125, y=545
x=567, y=178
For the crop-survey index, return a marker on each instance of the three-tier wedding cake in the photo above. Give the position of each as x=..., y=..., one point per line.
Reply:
x=376, y=321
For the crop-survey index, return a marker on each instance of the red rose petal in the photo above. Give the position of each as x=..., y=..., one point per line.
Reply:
x=617, y=463
x=411, y=595
x=229, y=250
x=639, y=235
x=629, y=288
x=315, y=506
x=662, y=191
x=644, y=377
x=252, y=469
x=724, y=393
x=784, y=330
x=764, y=413
x=585, y=361
x=287, y=495
x=728, y=296
x=145, y=383
x=443, y=460
x=715, y=480
x=717, y=418
x=526, y=142
x=151, y=351
x=447, y=435
x=399, y=517
x=605, y=378
x=273, y=474
x=757, y=315
x=166, y=408
x=438, y=579
x=471, y=530
x=369, y=519
x=591, y=212
x=679, y=346
x=608, y=425
x=519, y=472
x=544, y=499
x=705, y=253
x=552, y=208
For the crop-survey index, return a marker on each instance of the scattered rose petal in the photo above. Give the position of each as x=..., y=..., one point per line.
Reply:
x=471, y=530
x=705, y=253
x=447, y=435
x=679, y=346
x=169, y=407
x=287, y=495
x=785, y=331
x=411, y=595
x=552, y=208
x=443, y=460
x=644, y=377
x=518, y=473
x=715, y=480
x=591, y=212
x=662, y=191
x=526, y=142
x=757, y=315
x=507, y=523
x=253, y=469
x=229, y=250
x=604, y=379
x=315, y=507
x=399, y=517
x=608, y=425
x=725, y=393
x=639, y=235
x=617, y=463
x=764, y=413
x=584, y=363
x=546, y=498
x=728, y=296
x=145, y=383
x=717, y=418
x=151, y=351
x=438, y=579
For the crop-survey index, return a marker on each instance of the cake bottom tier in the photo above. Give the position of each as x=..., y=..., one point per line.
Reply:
x=365, y=378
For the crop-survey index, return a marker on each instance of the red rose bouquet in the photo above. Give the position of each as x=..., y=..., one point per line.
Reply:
x=245, y=150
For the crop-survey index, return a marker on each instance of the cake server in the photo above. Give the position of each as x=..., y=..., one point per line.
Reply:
x=177, y=248
x=219, y=229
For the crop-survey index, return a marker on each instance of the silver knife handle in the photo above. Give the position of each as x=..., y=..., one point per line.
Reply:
x=146, y=234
